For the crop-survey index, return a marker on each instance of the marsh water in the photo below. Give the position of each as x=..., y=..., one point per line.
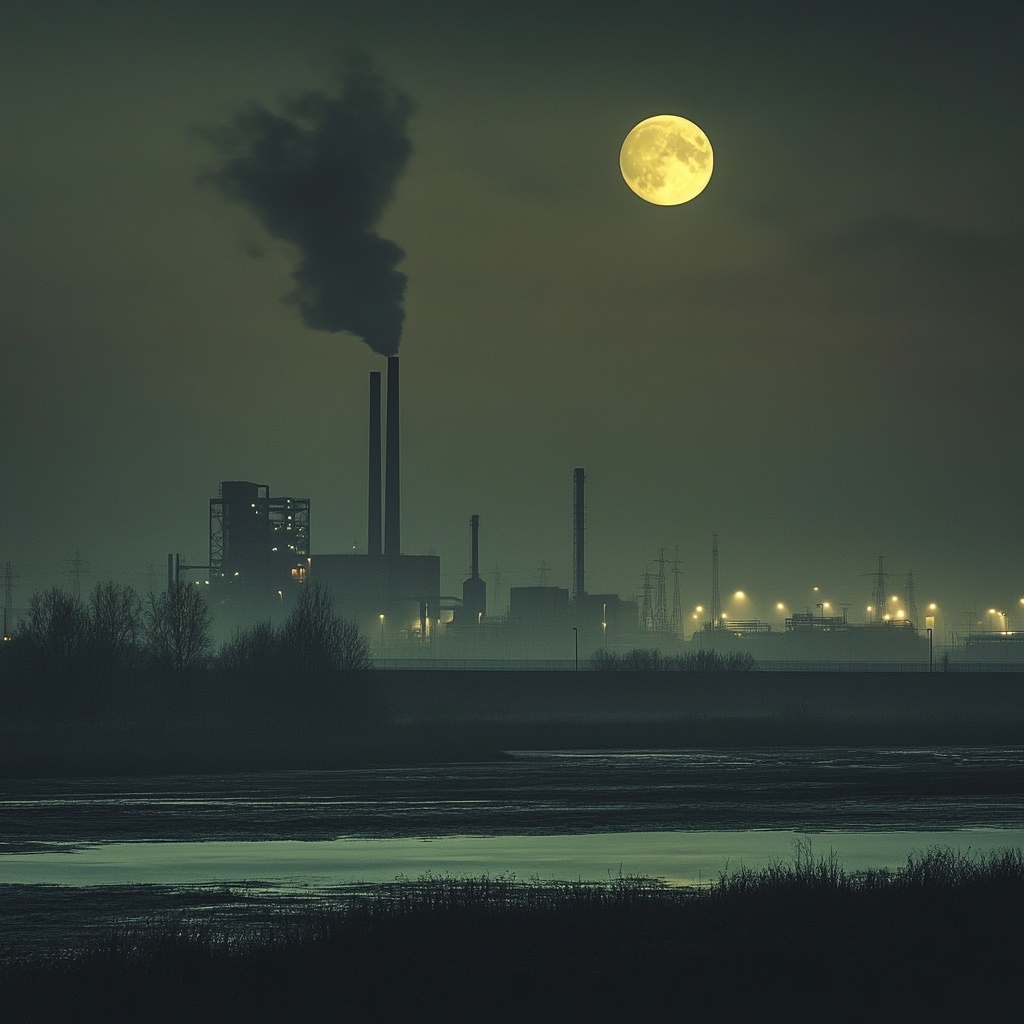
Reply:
x=75, y=854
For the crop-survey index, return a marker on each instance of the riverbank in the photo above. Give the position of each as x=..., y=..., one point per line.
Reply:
x=425, y=716
x=938, y=939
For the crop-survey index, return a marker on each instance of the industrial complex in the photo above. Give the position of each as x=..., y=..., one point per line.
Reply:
x=261, y=553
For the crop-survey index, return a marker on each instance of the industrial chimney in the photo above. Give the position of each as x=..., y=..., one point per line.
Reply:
x=373, y=513
x=474, y=590
x=578, y=588
x=392, y=466
x=474, y=524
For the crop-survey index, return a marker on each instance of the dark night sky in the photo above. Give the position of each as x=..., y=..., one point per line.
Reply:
x=820, y=357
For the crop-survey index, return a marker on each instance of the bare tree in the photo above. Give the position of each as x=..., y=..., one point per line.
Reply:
x=315, y=640
x=115, y=629
x=178, y=628
x=55, y=634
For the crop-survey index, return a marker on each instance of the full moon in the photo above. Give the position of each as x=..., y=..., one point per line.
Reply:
x=666, y=160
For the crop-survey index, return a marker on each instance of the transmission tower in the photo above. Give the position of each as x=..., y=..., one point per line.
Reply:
x=910, y=597
x=647, y=611
x=78, y=565
x=661, y=598
x=677, y=603
x=879, y=595
x=716, y=597
x=9, y=577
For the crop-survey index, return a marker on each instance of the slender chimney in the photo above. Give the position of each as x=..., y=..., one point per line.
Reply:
x=578, y=478
x=474, y=522
x=373, y=504
x=392, y=468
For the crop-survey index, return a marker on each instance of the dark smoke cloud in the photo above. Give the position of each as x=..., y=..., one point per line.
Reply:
x=320, y=175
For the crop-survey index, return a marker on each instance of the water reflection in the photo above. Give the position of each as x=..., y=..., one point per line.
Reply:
x=681, y=858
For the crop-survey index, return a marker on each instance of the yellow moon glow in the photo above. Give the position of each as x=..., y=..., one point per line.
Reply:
x=666, y=160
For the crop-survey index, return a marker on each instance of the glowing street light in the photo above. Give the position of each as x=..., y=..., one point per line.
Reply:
x=381, y=636
x=1002, y=615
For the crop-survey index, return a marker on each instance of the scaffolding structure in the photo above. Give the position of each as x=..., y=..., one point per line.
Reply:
x=253, y=535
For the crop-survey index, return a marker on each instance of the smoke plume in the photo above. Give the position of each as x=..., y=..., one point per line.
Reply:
x=319, y=175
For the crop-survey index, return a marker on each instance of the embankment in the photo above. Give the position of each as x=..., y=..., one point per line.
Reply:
x=472, y=715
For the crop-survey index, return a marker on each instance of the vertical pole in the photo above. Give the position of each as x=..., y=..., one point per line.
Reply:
x=578, y=523
x=474, y=522
x=392, y=468
x=576, y=640
x=373, y=504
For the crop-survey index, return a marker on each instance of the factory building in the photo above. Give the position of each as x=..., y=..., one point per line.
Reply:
x=257, y=541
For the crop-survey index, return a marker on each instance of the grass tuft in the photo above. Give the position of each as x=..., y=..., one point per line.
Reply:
x=938, y=937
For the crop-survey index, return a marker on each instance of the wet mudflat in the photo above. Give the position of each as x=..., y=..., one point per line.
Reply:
x=535, y=793
x=259, y=846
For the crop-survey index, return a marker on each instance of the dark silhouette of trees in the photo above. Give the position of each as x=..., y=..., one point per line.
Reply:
x=641, y=659
x=53, y=638
x=307, y=663
x=317, y=641
x=115, y=631
x=178, y=628
x=313, y=644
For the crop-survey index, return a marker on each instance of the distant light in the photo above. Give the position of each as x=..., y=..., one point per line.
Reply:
x=992, y=611
x=894, y=598
x=871, y=608
x=815, y=589
x=899, y=614
x=700, y=607
x=931, y=607
x=740, y=594
x=725, y=616
x=826, y=605
x=781, y=606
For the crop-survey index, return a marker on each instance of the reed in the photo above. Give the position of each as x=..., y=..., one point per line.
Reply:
x=794, y=940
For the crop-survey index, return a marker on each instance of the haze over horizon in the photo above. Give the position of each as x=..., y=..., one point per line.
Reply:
x=819, y=358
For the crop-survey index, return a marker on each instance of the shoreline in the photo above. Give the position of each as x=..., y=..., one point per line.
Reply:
x=412, y=716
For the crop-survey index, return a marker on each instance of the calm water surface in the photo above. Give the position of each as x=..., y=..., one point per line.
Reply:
x=102, y=846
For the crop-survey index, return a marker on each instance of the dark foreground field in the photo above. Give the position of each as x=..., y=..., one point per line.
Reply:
x=422, y=716
x=938, y=940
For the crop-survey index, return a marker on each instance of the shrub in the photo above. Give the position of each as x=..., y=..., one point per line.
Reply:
x=652, y=660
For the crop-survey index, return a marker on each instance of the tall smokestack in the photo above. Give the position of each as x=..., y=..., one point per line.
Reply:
x=373, y=510
x=474, y=522
x=392, y=469
x=474, y=590
x=578, y=588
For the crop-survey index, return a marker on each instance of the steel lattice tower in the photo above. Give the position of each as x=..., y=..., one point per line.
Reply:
x=647, y=611
x=677, y=603
x=910, y=597
x=661, y=597
x=879, y=595
x=716, y=597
